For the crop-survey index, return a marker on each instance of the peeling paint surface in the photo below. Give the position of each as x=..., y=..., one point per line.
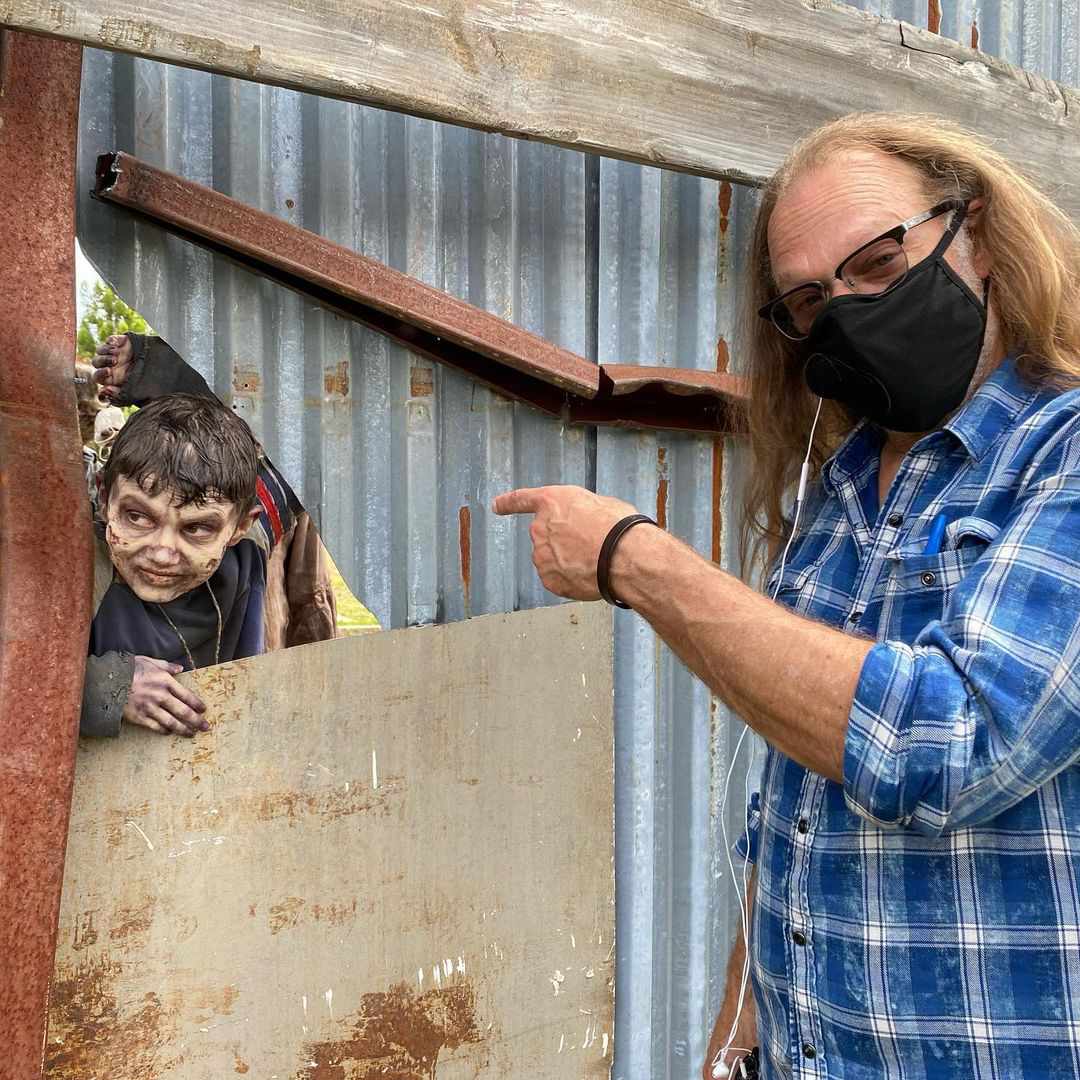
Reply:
x=261, y=901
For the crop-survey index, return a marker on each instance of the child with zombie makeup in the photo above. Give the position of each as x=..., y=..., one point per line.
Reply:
x=150, y=625
x=187, y=518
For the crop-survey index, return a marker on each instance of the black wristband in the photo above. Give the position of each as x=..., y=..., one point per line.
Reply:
x=607, y=549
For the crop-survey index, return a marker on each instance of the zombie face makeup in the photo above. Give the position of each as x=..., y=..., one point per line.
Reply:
x=162, y=549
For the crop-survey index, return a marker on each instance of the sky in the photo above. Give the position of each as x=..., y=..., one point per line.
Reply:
x=85, y=278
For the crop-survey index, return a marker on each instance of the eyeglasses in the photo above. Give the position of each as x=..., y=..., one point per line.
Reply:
x=879, y=265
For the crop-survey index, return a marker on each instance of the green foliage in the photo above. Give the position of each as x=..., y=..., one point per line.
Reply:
x=106, y=315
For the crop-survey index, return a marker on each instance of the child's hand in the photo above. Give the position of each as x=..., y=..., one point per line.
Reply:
x=158, y=702
x=113, y=362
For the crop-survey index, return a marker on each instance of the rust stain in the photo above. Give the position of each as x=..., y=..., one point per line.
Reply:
x=190, y=758
x=241, y=1066
x=396, y=1036
x=219, y=681
x=116, y=821
x=725, y=206
x=421, y=381
x=133, y=920
x=90, y=1035
x=328, y=804
x=723, y=357
x=661, y=487
x=251, y=909
x=246, y=381
x=293, y=910
x=335, y=914
x=717, y=502
x=336, y=380
x=933, y=16
x=974, y=34
x=286, y=914
x=202, y=1003
x=85, y=933
x=465, y=547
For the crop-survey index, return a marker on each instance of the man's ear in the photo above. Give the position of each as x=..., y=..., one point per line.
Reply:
x=245, y=523
x=982, y=260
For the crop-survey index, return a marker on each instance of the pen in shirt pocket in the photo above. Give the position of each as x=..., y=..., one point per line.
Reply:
x=936, y=535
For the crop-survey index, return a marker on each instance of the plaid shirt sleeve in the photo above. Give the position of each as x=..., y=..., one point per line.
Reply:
x=984, y=706
x=746, y=847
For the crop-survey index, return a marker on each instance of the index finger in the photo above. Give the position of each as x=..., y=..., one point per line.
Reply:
x=190, y=699
x=521, y=501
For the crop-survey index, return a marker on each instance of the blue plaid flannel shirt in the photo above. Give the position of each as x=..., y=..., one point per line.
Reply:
x=923, y=918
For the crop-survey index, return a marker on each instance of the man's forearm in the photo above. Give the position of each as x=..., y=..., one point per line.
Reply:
x=791, y=679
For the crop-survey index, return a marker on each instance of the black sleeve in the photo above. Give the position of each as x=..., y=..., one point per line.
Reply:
x=105, y=693
x=157, y=370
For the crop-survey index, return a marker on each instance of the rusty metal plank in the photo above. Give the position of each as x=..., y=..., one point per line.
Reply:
x=44, y=524
x=424, y=319
x=428, y=321
x=391, y=856
x=673, y=399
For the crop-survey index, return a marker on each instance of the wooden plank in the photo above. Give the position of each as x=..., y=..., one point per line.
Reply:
x=390, y=857
x=717, y=89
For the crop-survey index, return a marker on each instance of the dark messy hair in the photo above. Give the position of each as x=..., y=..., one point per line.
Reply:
x=192, y=446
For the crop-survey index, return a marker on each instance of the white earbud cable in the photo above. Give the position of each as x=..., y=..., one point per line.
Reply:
x=719, y=1067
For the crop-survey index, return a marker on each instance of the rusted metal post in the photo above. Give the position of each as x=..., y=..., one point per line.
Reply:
x=44, y=526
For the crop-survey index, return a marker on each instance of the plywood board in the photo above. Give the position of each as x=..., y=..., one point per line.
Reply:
x=390, y=857
x=720, y=89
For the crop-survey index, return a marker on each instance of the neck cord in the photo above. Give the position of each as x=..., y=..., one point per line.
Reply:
x=175, y=630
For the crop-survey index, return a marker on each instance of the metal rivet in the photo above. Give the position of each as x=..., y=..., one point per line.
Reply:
x=928, y=578
x=798, y=937
x=809, y=1050
x=804, y=825
x=896, y=520
x=855, y=616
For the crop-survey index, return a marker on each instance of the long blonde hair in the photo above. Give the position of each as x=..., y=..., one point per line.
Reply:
x=1036, y=290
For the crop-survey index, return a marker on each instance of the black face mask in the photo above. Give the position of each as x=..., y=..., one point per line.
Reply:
x=903, y=358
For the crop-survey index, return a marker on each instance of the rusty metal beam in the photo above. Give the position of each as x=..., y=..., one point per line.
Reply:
x=425, y=320
x=45, y=538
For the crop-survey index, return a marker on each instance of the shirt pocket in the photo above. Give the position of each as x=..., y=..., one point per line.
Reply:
x=795, y=589
x=919, y=586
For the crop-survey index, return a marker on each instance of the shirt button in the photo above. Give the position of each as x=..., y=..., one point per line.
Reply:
x=804, y=825
x=855, y=616
x=928, y=578
x=896, y=520
x=809, y=1050
x=798, y=937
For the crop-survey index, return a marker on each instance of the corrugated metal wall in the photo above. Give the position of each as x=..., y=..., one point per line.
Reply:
x=399, y=460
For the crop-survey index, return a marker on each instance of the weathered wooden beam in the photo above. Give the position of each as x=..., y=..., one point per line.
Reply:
x=719, y=89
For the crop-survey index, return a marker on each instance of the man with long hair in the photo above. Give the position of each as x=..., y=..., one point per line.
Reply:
x=913, y=336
